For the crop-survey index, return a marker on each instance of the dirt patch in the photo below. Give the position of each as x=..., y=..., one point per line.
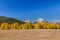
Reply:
x=38, y=34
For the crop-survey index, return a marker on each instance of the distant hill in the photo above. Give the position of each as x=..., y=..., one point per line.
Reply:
x=10, y=20
x=2, y=18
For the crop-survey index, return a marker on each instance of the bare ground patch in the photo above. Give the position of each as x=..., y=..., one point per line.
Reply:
x=38, y=34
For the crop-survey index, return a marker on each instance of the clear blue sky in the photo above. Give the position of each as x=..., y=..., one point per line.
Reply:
x=30, y=9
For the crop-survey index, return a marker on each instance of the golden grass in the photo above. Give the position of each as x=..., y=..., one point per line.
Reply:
x=33, y=34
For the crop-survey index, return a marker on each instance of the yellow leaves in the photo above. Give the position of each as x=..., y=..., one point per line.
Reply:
x=28, y=25
x=44, y=24
x=37, y=26
x=21, y=26
x=54, y=26
x=5, y=26
x=14, y=25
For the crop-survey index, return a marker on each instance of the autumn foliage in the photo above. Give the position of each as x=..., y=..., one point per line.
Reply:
x=29, y=25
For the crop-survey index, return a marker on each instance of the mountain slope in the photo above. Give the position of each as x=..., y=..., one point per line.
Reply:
x=2, y=18
x=10, y=20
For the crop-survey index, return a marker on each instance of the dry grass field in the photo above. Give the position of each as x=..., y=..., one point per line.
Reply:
x=38, y=34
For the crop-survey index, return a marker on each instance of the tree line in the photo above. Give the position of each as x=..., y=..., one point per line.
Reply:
x=29, y=25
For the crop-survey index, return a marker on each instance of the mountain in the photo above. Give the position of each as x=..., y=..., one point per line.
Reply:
x=2, y=18
x=10, y=20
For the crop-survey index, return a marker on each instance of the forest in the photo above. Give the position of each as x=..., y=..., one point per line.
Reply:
x=29, y=25
x=7, y=23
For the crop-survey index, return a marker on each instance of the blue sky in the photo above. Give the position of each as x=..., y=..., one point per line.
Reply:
x=31, y=9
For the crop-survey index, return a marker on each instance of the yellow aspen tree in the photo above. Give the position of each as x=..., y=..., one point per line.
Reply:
x=5, y=26
x=57, y=26
x=53, y=26
x=47, y=26
x=27, y=25
x=44, y=24
x=15, y=26
x=38, y=26
x=21, y=26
